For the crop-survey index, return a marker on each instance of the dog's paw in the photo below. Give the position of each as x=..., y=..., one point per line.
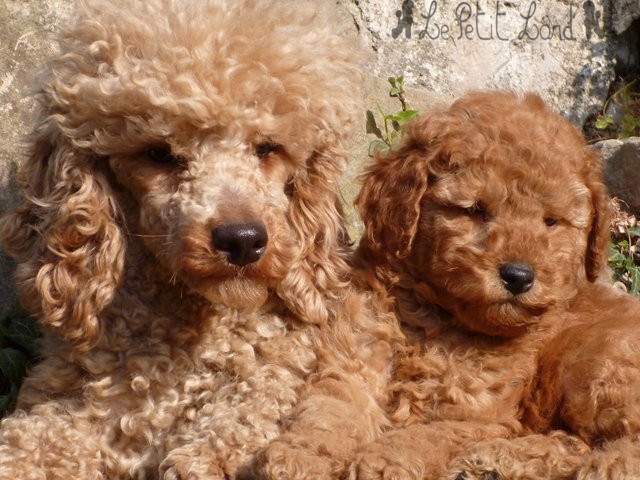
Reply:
x=285, y=460
x=184, y=465
x=379, y=463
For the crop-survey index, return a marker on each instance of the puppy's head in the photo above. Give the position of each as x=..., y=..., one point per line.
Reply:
x=212, y=132
x=494, y=209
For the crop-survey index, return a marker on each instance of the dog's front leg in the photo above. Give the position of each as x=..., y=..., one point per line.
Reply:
x=341, y=406
x=335, y=418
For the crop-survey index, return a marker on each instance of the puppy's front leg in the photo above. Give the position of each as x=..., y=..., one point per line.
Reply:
x=555, y=456
x=420, y=451
x=598, y=375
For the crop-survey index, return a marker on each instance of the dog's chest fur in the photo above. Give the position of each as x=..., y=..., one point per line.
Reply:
x=229, y=375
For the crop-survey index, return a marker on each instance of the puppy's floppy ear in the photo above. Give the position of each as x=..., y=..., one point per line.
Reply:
x=599, y=234
x=389, y=201
x=64, y=237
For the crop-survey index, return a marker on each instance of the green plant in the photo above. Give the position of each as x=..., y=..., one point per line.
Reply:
x=391, y=131
x=18, y=335
x=624, y=255
x=628, y=124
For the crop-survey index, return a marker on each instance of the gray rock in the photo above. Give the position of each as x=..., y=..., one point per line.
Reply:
x=557, y=48
x=622, y=169
x=624, y=13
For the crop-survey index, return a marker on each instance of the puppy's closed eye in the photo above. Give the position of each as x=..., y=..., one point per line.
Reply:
x=477, y=211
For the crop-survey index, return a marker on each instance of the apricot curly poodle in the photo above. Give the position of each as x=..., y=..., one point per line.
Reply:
x=180, y=244
x=488, y=232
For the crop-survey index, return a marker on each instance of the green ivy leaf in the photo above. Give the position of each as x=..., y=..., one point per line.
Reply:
x=377, y=146
x=634, y=275
x=404, y=117
x=604, y=122
x=629, y=126
x=617, y=259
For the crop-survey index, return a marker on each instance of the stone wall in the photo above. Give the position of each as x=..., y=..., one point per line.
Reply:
x=557, y=48
x=563, y=49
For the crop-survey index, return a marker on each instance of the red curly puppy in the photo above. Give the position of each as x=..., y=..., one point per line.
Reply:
x=488, y=230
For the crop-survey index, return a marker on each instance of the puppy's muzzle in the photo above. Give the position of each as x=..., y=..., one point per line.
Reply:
x=241, y=243
x=517, y=278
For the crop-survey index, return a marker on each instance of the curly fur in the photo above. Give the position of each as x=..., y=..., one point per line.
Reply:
x=495, y=383
x=161, y=359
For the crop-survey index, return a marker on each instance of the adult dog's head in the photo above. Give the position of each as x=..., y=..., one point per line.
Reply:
x=212, y=132
x=494, y=209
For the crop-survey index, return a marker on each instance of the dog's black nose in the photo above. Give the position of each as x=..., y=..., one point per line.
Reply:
x=517, y=277
x=242, y=243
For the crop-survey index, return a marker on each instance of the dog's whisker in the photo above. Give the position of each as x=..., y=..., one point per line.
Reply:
x=144, y=235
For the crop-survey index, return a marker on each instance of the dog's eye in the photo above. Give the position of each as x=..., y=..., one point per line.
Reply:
x=163, y=156
x=477, y=210
x=266, y=148
x=550, y=222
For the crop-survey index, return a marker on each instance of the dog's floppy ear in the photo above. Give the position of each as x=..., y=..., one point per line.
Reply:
x=316, y=219
x=64, y=237
x=599, y=234
x=389, y=201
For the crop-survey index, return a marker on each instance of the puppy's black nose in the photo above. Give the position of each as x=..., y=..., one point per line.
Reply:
x=241, y=243
x=517, y=277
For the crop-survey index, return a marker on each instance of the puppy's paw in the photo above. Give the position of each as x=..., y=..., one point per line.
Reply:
x=474, y=467
x=288, y=460
x=611, y=464
x=476, y=475
x=554, y=456
x=379, y=463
